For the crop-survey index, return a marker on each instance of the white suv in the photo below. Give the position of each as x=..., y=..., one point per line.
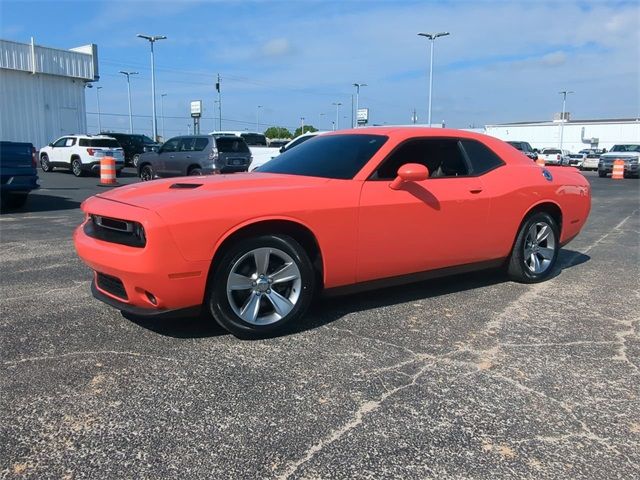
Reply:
x=80, y=153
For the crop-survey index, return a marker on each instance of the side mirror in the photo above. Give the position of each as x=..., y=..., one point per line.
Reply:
x=282, y=149
x=409, y=172
x=51, y=144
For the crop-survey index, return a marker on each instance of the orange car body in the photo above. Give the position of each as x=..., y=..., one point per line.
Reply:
x=364, y=229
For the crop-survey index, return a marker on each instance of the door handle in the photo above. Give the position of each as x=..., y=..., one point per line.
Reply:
x=475, y=190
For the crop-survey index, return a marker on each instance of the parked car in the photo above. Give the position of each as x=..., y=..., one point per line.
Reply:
x=18, y=173
x=629, y=153
x=347, y=209
x=133, y=146
x=81, y=153
x=258, y=144
x=195, y=155
x=525, y=147
x=592, y=159
x=553, y=156
x=278, y=143
x=575, y=160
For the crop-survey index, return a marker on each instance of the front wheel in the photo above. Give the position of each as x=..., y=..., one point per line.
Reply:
x=260, y=285
x=76, y=167
x=44, y=163
x=146, y=173
x=536, y=249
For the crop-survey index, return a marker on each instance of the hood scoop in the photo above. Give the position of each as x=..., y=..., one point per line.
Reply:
x=187, y=186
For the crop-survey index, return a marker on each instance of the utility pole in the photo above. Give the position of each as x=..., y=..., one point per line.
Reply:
x=98, y=100
x=357, y=85
x=432, y=37
x=258, y=118
x=219, y=103
x=153, y=39
x=162, y=95
x=564, y=94
x=301, y=125
x=337, y=124
x=128, y=74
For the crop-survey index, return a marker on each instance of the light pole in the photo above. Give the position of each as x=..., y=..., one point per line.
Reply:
x=564, y=94
x=321, y=121
x=153, y=39
x=431, y=37
x=258, y=117
x=301, y=125
x=162, y=95
x=358, y=85
x=98, y=99
x=337, y=124
x=128, y=74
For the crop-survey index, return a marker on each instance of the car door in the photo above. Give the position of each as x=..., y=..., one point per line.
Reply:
x=166, y=154
x=435, y=223
x=57, y=150
x=183, y=157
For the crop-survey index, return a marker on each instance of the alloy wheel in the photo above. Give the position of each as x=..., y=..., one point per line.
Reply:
x=263, y=286
x=539, y=247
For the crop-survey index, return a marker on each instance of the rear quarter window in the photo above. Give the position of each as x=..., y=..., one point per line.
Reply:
x=481, y=157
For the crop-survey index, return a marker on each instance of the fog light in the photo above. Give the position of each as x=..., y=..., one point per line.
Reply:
x=151, y=298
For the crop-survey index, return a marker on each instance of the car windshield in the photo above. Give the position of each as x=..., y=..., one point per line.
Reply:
x=625, y=148
x=331, y=156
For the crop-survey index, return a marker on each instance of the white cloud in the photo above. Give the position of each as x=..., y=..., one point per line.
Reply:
x=277, y=47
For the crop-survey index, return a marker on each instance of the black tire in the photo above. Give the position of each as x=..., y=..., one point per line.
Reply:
x=602, y=174
x=76, y=167
x=146, y=173
x=268, y=319
x=519, y=268
x=14, y=200
x=135, y=160
x=44, y=163
x=195, y=171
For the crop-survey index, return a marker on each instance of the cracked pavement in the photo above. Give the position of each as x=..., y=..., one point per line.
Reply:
x=466, y=377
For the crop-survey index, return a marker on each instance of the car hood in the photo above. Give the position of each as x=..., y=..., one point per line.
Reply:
x=159, y=194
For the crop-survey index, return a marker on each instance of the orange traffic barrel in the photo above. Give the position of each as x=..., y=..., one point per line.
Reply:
x=108, y=171
x=618, y=170
x=540, y=161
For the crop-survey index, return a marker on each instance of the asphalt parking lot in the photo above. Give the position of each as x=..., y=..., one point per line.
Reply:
x=466, y=377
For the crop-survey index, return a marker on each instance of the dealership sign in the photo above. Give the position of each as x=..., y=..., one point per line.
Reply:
x=362, y=116
x=196, y=108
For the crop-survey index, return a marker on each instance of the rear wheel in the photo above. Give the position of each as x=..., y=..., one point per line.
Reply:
x=536, y=249
x=76, y=167
x=260, y=285
x=44, y=163
x=14, y=200
x=194, y=171
x=146, y=173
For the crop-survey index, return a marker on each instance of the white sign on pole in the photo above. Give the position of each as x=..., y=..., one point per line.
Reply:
x=362, y=116
x=196, y=108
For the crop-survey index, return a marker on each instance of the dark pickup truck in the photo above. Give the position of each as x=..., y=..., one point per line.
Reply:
x=18, y=174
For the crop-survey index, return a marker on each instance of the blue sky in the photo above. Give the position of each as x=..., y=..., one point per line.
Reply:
x=504, y=61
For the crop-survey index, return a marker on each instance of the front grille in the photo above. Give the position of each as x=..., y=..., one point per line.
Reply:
x=111, y=285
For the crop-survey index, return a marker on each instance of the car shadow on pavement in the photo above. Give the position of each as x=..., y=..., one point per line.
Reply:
x=327, y=310
x=44, y=203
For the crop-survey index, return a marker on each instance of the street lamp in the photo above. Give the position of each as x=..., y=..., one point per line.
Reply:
x=564, y=94
x=337, y=124
x=162, y=95
x=98, y=99
x=358, y=85
x=258, y=117
x=152, y=39
x=128, y=74
x=431, y=37
x=301, y=125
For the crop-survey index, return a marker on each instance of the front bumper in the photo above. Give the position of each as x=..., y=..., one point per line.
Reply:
x=629, y=168
x=154, y=279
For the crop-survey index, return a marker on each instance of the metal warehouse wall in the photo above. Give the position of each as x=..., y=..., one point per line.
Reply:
x=39, y=108
x=548, y=135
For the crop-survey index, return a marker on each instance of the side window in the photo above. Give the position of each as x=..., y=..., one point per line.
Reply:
x=170, y=145
x=61, y=142
x=83, y=142
x=70, y=142
x=200, y=144
x=481, y=157
x=442, y=156
x=186, y=144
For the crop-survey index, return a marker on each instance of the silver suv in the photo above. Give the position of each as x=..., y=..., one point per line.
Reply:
x=195, y=155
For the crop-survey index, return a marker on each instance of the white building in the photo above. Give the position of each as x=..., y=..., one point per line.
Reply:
x=42, y=91
x=577, y=134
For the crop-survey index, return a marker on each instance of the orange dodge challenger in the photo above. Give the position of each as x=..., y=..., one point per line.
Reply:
x=350, y=208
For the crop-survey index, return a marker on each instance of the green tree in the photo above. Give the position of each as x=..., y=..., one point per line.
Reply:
x=304, y=129
x=277, y=132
